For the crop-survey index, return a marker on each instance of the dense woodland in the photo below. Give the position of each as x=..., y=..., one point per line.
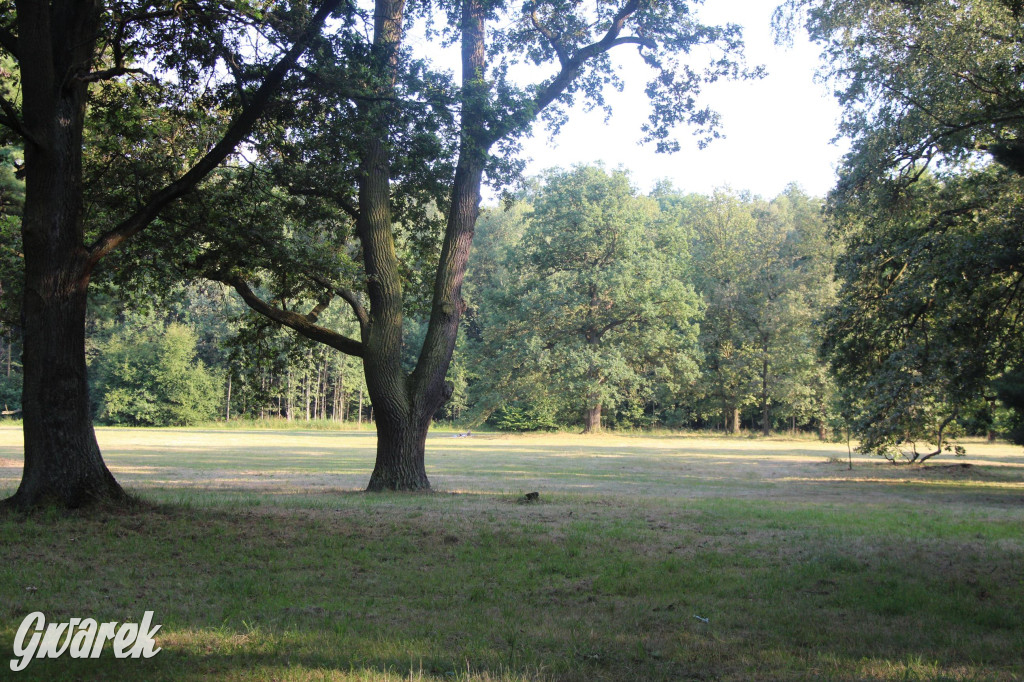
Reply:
x=674, y=310
x=244, y=211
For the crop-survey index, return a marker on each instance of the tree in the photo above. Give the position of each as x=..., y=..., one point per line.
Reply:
x=922, y=82
x=597, y=305
x=12, y=198
x=148, y=375
x=402, y=128
x=64, y=52
x=929, y=209
x=930, y=309
x=765, y=276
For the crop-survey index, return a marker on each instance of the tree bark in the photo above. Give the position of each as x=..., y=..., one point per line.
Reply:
x=766, y=425
x=56, y=51
x=63, y=465
x=732, y=420
x=592, y=419
x=400, y=464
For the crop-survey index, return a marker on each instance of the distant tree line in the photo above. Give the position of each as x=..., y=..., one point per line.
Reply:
x=590, y=302
x=589, y=305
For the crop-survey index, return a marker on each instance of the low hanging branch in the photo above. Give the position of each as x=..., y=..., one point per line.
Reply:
x=238, y=129
x=303, y=324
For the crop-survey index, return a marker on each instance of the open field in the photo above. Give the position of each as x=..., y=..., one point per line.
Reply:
x=659, y=558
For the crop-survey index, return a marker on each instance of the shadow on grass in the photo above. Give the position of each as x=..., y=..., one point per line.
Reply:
x=566, y=590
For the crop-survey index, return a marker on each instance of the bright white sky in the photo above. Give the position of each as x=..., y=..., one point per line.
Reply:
x=777, y=130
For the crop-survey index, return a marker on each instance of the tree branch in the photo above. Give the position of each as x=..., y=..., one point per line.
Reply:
x=107, y=74
x=225, y=54
x=303, y=324
x=9, y=42
x=941, y=433
x=238, y=129
x=336, y=197
x=556, y=44
x=11, y=120
x=570, y=69
x=320, y=306
x=349, y=297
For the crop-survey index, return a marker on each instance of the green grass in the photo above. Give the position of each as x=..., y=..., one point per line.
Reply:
x=262, y=561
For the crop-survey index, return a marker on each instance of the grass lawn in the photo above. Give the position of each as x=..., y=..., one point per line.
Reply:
x=646, y=558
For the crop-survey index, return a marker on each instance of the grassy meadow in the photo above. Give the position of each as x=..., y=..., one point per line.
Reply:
x=646, y=558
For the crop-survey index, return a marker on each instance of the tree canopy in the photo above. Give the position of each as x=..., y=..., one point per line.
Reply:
x=928, y=205
x=593, y=302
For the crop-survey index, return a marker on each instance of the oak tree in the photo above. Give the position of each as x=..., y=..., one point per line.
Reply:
x=412, y=158
x=66, y=52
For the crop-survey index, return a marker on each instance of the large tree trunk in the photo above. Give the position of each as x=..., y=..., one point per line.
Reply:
x=406, y=404
x=401, y=459
x=592, y=419
x=63, y=465
x=56, y=52
x=62, y=460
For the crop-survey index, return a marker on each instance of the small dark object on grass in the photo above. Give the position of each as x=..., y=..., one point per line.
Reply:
x=531, y=497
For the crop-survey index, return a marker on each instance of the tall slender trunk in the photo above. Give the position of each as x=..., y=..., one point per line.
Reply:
x=227, y=410
x=288, y=410
x=766, y=422
x=732, y=419
x=342, y=383
x=592, y=419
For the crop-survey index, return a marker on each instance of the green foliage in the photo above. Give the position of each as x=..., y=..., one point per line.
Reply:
x=929, y=312
x=923, y=81
x=12, y=199
x=522, y=418
x=1010, y=389
x=590, y=300
x=765, y=274
x=149, y=376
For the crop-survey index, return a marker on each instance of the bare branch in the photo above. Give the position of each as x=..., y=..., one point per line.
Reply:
x=941, y=436
x=303, y=324
x=107, y=74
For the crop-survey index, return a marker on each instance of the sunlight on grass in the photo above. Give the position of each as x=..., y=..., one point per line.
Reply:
x=645, y=558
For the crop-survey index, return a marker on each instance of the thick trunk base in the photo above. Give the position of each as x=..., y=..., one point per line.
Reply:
x=83, y=491
x=592, y=420
x=400, y=458
x=63, y=465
